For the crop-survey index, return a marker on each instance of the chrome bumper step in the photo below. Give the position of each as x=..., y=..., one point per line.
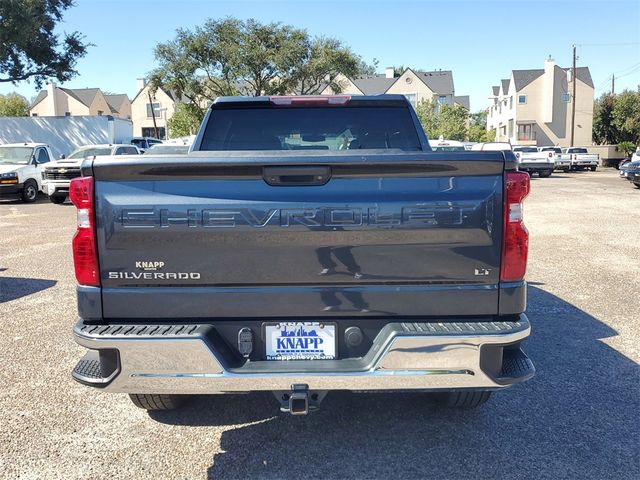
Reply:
x=185, y=359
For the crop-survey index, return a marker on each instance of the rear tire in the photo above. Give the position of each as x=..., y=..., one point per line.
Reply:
x=29, y=191
x=593, y=169
x=57, y=198
x=150, y=401
x=466, y=399
x=637, y=184
x=566, y=170
x=545, y=173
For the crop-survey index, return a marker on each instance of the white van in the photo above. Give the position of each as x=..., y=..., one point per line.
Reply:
x=21, y=166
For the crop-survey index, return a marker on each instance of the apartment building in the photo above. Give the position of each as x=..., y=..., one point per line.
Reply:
x=415, y=85
x=534, y=107
x=57, y=101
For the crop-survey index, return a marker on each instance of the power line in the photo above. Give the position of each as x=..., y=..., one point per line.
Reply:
x=627, y=44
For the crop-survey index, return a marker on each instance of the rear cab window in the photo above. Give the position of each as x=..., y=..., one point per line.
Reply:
x=328, y=128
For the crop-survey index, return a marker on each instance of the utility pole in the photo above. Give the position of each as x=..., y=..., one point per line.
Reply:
x=613, y=84
x=573, y=97
x=153, y=115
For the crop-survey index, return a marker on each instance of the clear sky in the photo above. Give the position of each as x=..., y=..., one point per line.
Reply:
x=480, y=41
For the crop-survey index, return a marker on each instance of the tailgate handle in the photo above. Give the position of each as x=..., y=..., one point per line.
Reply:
x=296, y=176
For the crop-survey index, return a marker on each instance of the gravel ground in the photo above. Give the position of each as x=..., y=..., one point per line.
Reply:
x=578, y=418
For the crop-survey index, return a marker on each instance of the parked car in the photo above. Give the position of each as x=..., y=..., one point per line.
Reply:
x=581, y=158
x=442, y=145
x=632, y=172
x=21, y=166
x=627, y=161
x=331, y=258
x=492, y=147
x=58, y=174
x=532, y=161
x=144, y=142
x=561, y=161
x=166, y=149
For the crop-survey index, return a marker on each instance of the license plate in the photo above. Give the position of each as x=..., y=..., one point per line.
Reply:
x=300, y=341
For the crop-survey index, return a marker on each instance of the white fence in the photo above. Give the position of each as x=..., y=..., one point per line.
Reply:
x=65, y=134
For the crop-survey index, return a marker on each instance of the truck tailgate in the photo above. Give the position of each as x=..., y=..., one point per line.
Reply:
x=246, y=235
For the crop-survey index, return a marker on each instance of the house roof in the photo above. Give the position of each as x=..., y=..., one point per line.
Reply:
x=495, y=90
x=41, y=96
x=583, y=74
x=440, y=81
x=505, y=85
x=462, y=100
x=522, y=78
x=115, y=101
x=373, y=84
x=83, y=95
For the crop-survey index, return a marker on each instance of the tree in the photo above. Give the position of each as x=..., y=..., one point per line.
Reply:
x=628, y=148
x=428, y=114
x=447, y=121
x=626, y=116
x=29, y=49
x=604, y=131
x=453, y=122
x=328, y=58
x=185, y=120
x=478, y=128
x=232, y=57
x=13, y=105
x=616, y=118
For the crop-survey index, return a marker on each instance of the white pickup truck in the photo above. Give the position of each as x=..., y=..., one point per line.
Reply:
x=531, y=160
x=57, y=175
x=562, y=161
x=21, y=166
x=581, y=159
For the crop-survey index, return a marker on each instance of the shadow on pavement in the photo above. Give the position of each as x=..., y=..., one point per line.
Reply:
x=578, y=418
x=12, y=288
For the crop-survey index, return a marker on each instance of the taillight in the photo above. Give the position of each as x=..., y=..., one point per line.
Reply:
x=311, y=100
x=85, y=253
x=515, y=242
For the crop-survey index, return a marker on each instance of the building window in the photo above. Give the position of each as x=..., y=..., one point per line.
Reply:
x=67, y=114
x=150, y=132
x=510, y=102
x=566, y=97
x=156, y=108
x=34, y=114
x=526, y=132
x=522, y=99
x=100, y=112
x=510, y=127
x=412, y=98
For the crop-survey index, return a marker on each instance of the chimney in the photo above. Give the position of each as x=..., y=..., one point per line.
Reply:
x=389, y=72
x=52, y=104
x=140, y=84
x=549, y=89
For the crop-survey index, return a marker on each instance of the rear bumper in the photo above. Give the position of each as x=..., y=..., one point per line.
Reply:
x=536, y=166
x=584, y=163
x=186, y=359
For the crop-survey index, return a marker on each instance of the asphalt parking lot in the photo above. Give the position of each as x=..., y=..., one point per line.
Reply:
x=578, y=418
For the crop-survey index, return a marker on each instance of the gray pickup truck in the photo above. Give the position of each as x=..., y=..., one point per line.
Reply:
x=306, y=244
